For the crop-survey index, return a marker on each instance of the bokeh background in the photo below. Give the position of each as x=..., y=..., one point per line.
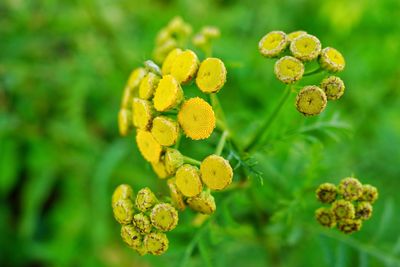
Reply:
x=63, y=65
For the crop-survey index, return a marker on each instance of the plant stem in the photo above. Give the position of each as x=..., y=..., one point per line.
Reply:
x=313, y=72
x=258, y=137
x=221, y=143
x=189, y=160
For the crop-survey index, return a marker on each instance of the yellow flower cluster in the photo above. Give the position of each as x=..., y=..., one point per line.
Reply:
x=298, y=49
x=351, y=204
x=143, y=220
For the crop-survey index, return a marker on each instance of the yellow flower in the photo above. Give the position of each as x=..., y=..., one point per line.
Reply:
x=122, y=192
x=364, y=210
x=325, y=217
x=142, y=223
x=333, y=87
x=142, y=113
x=156, y=243
x=145, y=199
x=127, y=96
x=196, y=118
x=159, y=169
x=332, y=60
x=164, y=217
x=289, y=69
x=211, y=75
x=343, y=209
x=293, y=35
x=311, y=100
x=165, y=130
x=350, y=188
x=168, y=94
x=185, y=66
x=130, y=236
x=173, y=159
x=123, y=211
x=210, y=32
x=273, y=43
x=176, y=195
x=349, y=226
x=216, y=172
x=188, y=180
x=148, y=86
x=135, y=78
x=370, y=193
x=148, y=146
x=161, y=51
x=306, y=47
x=203, y=203
x=124, y=122
x=170, y=60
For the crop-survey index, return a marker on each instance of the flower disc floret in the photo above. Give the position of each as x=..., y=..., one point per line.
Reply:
x=325, y=217
x=123, y=211
x=135, y=78
x=273, y=44
x=148, y=146
x=311, y=100
x=156, y=243
x=364, y=210
x=332, y=60
x=326, y=193
x=122, y=192
x=131, y=236
x=185, y=66
x=216, y=172
x=168, y=94
x=188, y=180
x=343, y=209
x=369, y=193
x=145, y=199
x=333, y=87
x=142, y=223
x=159, y=169
x=173, y=160
x=176, y=195
x=164, y=217
x=148, y=85
x=165, y=130
x=142, y=113
x=305, y=47
x=350, y=188
x=289, y=69
x=170, y=60
x=211, y=76
x=349, y=226
x=293, y=35
x=203, y=203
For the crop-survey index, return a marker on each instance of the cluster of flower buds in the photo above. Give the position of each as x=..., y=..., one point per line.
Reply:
x=143, y=220
x=351, y=204
x=295, y=50
x=205, y=37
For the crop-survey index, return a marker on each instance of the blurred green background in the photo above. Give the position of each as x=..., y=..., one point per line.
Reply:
x=63, y=65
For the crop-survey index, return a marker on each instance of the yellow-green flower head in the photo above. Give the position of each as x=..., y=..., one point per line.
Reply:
x=326, y=193
x=156, y=243
x=159, y=169
x=216, y=172
x=169, y=61
x=369, y=193
x=123, y=211
x=135, y=78
x=162, y=36
x=185, y=66
x=203, y=203
x=211, y=32
x=350, y=188
x=343, y=209
x=142, y=223
x=273, y=44
x=126, y=100
x=165, y=130
x=349, y=226
x=211, y=76
x=161, y=51
x=289, y=69
x=124, y=122
x=199, y=40
x=148, y=146
x=168, y=94
x=188, y=180
x=145, y=199
x=131, y=236
x=176, y=24
x=325, y=217
x=148, y=86
x=364, y=210
x=122, y=192
x=196, y=118
x=306, y=47
x=142, y=113
x=311, y=100
x=332, y=60
x=176, y=195
x=333, y=87
x=173, y=159
x=164, y=217
x=293, y=35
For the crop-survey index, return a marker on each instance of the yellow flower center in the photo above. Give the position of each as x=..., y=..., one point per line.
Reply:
x=211, y=75
x=311, y=100
x=122, y=192
x=185, y=66
x=176, y=196
x=306, y=47
x=168, y=94
x=156, y=243
x=173, y=160
x=164, y=217
x=148, y=146
x=204, y=203
x=273, y=43
x=165, y=130
x=148, y=86
x=136, y=77
x=188, y=180
x=289, y=69
x=293, y=35
x=142, y=113
x=169, y=61
x=216, y=172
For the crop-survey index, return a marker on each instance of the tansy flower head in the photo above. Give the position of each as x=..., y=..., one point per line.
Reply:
x=349, y=226
x=136, y=77
x=293, y=35
x=164, y=217
x=124, y=121
x=364, y=210
x=332, y=60
x=156, y=243
x=306, y=47
x=216, y=172
x=122, y=192
x=148, y=85
x=185, y=66
x=326, y=193
x=142, y=223
x=188, y=180
x=148, y=146
x=211, y=75
x=173, y=160
x=273, y=43
x=199, y=40
x=126, y=100
x=325, y=217
x=350, y=188
x=159, y=169
x=289, y=69
x=333, y=87
x=142, y=113
x=170, y=60
x=311, y=100
x=168, y=94
x=343, y=209
x=131, y=236
x=196, y=118
x=369, y=193
x=145, y=199
x=203, y=203
x=123, y=211
x=161, y=51
x=176, y=195
x=165, y=130
x=211, y=32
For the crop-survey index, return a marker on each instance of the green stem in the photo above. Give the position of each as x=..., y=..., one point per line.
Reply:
x=313, y=72
x=221, y=143
x=259, y=136
x=190, y=160
x=178, y=142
